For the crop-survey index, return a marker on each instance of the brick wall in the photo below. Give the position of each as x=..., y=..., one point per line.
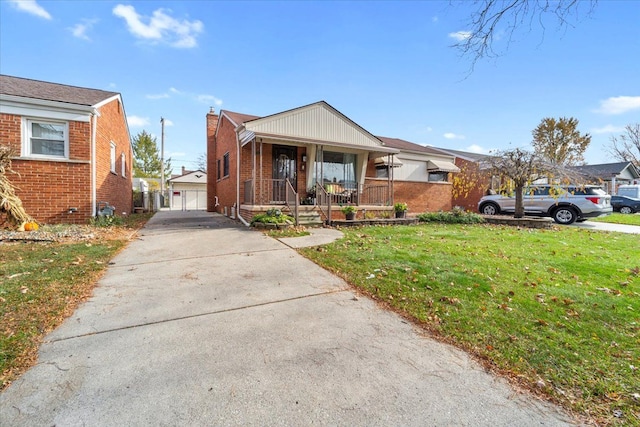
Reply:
x=48, y=188
x=212, y=125
x=111, y=187
x=470, y=185
x=225, y=188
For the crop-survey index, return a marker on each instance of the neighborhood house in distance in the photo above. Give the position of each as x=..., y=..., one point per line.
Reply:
x=73, y=149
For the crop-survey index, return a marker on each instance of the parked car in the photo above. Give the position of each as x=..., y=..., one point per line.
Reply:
x=625, y=205
x=565, y=204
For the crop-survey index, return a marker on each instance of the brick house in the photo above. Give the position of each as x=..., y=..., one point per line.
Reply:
x=73, y=149
x=314, y=158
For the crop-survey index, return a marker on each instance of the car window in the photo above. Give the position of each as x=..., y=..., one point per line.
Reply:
x=539, y=191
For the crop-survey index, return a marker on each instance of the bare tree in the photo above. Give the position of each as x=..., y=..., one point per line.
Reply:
x=521, y=167
x=493, y=18
x=201, y=162
x=559, y=141
x=626, y=147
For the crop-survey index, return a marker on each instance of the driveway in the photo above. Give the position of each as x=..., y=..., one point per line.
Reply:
x=605, y=226
x=200, y=322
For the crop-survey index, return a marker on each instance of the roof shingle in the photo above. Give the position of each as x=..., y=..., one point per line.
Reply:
x=18, y=86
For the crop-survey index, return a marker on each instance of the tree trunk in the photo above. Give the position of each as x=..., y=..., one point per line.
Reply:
x=519, y=211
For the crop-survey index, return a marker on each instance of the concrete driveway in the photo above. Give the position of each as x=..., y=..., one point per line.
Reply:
x=204, y=323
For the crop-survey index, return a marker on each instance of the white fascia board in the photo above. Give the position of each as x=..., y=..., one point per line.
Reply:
x=20, y=106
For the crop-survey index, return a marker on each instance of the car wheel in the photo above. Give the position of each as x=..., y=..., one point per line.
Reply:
x=490, y=209
x=565, y=216
x=626, y=210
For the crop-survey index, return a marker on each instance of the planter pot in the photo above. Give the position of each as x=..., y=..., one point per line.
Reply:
x=401, y=214
x=350, y=216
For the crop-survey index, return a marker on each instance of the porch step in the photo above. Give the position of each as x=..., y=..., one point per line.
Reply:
x=307, y=216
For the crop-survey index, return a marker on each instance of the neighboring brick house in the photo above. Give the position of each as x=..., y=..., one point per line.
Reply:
x=473, y=180
x=73, y=149
x=319, y=156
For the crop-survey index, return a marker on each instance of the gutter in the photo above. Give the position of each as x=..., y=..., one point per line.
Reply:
x=94, y=179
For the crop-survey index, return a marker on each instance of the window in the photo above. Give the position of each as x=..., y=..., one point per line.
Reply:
x=382, y=171
x=113, y=157
x=225, y=161
x=438, y=176
x=339, y=168
x=218, y=168
x=46, y=139
x=123, y=163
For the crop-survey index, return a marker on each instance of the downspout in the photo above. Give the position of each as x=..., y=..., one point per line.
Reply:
x=94, y=179
x=238, y=183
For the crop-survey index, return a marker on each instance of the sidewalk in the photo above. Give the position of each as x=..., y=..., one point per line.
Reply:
x=201, y=322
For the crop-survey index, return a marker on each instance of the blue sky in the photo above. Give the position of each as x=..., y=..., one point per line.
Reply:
x=389, y=66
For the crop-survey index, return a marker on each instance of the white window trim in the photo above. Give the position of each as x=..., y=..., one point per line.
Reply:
x=26, y=137
x=123, y=161
x=112, y=156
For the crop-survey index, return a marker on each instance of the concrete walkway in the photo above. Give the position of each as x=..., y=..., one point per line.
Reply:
x=203, y=323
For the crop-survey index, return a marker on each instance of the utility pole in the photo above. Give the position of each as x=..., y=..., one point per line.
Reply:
x=162, y=157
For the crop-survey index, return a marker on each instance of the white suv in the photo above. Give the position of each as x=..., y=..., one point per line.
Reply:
x=565, y=204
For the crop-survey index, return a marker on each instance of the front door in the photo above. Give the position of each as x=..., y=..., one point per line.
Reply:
x=284, y=167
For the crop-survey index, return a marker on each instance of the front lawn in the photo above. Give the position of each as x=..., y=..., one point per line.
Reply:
x=618, y=218
x=555, y=310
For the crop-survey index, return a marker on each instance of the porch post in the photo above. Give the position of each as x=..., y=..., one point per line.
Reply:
x=253, y=171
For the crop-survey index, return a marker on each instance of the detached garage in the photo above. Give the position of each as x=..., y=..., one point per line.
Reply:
x=188, y=192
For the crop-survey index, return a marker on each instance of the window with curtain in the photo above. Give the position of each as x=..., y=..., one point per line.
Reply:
x=338, y=169
x=47, y=139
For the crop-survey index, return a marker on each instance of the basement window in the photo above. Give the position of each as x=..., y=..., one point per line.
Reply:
x=46, y=139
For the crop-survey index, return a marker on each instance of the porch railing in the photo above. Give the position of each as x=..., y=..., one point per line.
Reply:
x=292, y=200
x=280, y=192
x=323, y=201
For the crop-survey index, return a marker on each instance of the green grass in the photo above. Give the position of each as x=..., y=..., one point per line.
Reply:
x=42, y=283
x=555, y=310
x=618, y=218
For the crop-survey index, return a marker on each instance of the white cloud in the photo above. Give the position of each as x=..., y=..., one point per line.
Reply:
x=136, y=121
x=451, y=135
x=158, y=96
x=209, y=99
x=608, y=129
x=174, y=90
x=160, y=27
x=173, y=154
x=475, y=148
x=80, y=30
x=168, y=122
x=619, y=105
x=434, y=19
x=30, y=6
x=460, y=35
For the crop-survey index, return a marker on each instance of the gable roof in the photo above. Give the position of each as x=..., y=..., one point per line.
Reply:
x=238, y=118
x=317, y=123
x=196, y=176
x=466, y=155
x=35, y=89
x=403, y=145
x=607, y=170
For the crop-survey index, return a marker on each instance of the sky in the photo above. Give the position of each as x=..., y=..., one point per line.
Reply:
x=389, y=66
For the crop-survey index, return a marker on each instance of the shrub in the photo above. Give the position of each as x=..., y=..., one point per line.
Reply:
x=272, y=216
x=348, y=209
x=455, y=216
x=106, y=221
x=400, y=207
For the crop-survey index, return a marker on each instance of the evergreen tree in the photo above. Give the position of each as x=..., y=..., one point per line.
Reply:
x=147, y=162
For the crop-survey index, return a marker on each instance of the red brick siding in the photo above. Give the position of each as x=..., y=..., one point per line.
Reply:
x=477, y=183
x=49, y=188
x=113, y=187
x=225, y=142
x=212, y=173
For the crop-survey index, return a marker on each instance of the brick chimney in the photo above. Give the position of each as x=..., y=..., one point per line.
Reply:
x=212, y=125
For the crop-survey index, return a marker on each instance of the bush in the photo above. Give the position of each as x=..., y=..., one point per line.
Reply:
x=272, y=216
x=455, y=216
x=106, y=221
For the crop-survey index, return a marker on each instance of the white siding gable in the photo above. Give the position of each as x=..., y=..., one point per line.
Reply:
x=316, y=122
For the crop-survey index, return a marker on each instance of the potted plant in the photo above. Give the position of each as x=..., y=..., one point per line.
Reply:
x=349, y=212
x=400, y=209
